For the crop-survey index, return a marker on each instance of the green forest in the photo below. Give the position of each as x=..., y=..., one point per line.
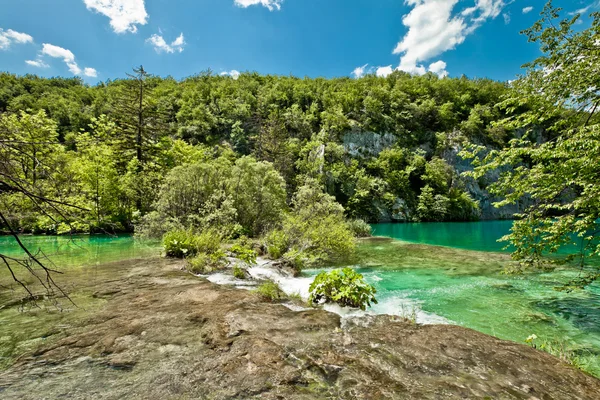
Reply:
x=376, y=145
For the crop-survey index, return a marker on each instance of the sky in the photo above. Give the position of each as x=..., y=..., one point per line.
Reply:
x=103, y=39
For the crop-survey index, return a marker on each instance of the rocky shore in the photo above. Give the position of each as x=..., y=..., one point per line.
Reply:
x=153, y=331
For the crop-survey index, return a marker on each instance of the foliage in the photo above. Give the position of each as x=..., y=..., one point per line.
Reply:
x=315, y=231
x=180, y=243
x=204, y=263
x=239, y=272
x=276, y=243
x=186, y=243
x=345, y=287
x=245, y=196
x=270, y=291
x=360, y=228
x=244, y=253
x=257, y=138
x=579, y=358
x=258, y=193
x=552, y=166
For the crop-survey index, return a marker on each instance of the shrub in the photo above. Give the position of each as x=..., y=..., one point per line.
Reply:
x=180, y=243
x=345, y=287
x=208, y=242
x=154, y=226
x=239, y=273
x=244, y=253
x=297, y=259
x=185, y=243
x=204, y=263
x=269, y=291
x=314, y=232
x=258, y=193
x=276, y=243
x=360, y=228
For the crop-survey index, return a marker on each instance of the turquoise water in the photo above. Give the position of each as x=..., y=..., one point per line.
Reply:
x=81, y=250
x=469, y=289
x=481, y=236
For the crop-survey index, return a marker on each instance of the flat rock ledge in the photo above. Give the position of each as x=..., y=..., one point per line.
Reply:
x=164, y=334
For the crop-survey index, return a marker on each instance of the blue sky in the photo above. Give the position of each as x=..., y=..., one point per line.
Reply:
x=103, y=39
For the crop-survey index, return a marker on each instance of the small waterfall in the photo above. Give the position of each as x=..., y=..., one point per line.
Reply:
x=290, y=285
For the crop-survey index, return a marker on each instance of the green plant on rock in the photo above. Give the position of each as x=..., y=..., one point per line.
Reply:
x=204, y=263
x=244, y=253
x=180, y=243
x=276, y=243
x=345, y=287
x=270, y=291
x=239, y=272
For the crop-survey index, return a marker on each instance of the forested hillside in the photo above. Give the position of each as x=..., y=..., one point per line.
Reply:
x=385, y=148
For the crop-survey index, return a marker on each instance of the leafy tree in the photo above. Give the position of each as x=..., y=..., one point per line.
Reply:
x=258, y=194
x=314, y=231
x=553, y=163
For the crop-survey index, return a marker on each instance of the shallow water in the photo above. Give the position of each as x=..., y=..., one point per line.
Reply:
x=455, y=286
x=81, y=250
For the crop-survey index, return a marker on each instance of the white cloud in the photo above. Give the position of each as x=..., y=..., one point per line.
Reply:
x=434, y=28
x=58, y=52
x=527, y=10
x=68, y=57
x=439, y=68
x=37, y=63
x=91, y=72
x=358, y=72
x=160, y=44
x=270, y=4
x=506, y=17
x=384, y=71
x=124, y=15
x=74, y=68
x=584, y=10
x=8, y=37
x=233, y=73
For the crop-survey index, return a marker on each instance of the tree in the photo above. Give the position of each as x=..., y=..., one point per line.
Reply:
x=29, y=155
x=553, y=163
x=141, y=126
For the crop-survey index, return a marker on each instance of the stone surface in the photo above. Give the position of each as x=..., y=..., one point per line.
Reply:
x=164, y=334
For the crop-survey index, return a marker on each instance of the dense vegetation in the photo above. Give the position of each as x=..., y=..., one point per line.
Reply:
x=116, y=150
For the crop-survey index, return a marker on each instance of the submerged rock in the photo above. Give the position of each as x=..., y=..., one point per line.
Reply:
x=169, y=335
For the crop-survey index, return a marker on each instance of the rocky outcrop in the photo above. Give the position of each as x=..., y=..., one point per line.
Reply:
x=163, y=334
x=477, y=188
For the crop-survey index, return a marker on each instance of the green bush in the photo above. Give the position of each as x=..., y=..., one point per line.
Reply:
x=360, y=228
x=244, y=253
x=204, y=263
x=180, y=243
x=276, y=243
x=209, y=242
x=314, y=232
x=345, y=287
x=239, y=273
x=185, y=243
x=270, y=291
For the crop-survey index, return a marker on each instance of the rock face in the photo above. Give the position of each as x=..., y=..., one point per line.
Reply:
x=477, y=189
x=164, y=334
